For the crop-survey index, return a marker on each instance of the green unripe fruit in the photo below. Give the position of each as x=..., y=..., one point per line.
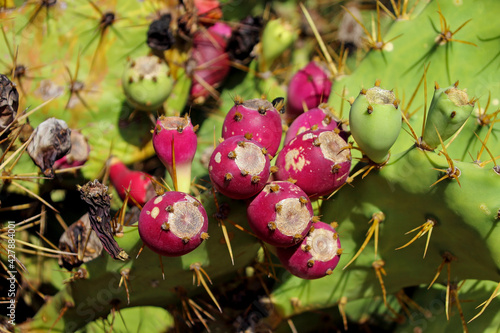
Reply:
x=375, y=122
x=276, y=38
x=450, y=108
x=147, y=83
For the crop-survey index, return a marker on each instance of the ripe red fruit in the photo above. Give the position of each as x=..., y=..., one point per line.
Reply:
x=181, y=132
x=280, y=214
x=316, y=256
x=239, y=168
x=310, y=86
x=173, y=224
x=256, y=117
x=317, y=161
x=209, y=63
x=138, y=183
x=317, y=118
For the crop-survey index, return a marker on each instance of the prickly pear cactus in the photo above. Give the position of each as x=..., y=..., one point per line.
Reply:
x=413, y=210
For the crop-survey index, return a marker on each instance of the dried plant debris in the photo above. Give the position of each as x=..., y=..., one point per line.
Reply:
x=244, y=38
x=50, y=141
x=98, y=200
x=9, y=102
x=79, y=239
x=79, y=154
x=160, y=37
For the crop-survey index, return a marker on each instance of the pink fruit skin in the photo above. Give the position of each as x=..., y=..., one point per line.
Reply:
x=208, y=9
x=240, y=186
x=222, y=29
x=265, y=127
x=123, y=178
x=310, y=85
x=315, y=116
x=295, y=259
x=185, y=142
x=164, y=242
x=315, y=173
x=262, y=209
x=211, y=61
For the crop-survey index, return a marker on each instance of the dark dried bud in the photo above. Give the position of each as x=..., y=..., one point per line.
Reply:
x=244, y=38
x=9, y=102
x=159, y=36
x=50, y=141
x=79, y=239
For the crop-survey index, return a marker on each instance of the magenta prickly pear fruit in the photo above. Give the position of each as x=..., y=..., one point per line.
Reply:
x=317, y=161
x=173, y=224
x=181, y=132
x=309, y=87
x=255, y=117
x=124, y=180
x=281, y=214
x=239, y=168
x=316, y=256
x=209, y=63
x=320, y=117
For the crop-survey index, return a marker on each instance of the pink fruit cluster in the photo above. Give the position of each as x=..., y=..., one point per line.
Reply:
x=314, y=162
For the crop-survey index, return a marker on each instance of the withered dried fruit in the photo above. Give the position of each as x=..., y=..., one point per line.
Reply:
x=9, y=102
x=50, y=141
x=79, y=154
x=159, y=35
x=98, y=200
x=244, y=38
x=79, y=239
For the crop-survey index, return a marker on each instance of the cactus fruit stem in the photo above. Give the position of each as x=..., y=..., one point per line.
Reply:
x=377, y=218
